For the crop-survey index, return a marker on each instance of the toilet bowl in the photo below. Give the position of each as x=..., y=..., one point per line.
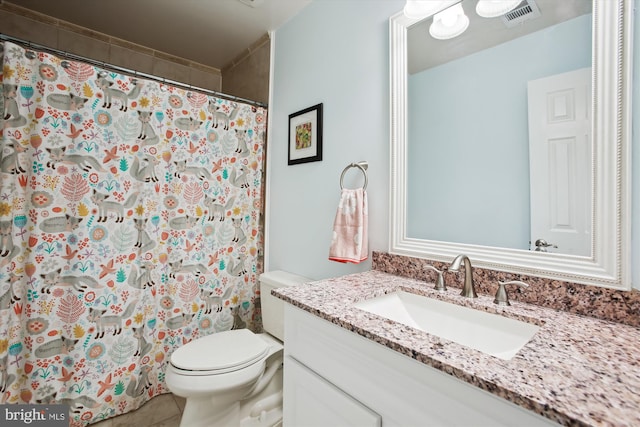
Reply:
x=234, y=378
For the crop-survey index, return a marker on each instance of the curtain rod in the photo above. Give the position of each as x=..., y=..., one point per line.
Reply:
x=133, y=73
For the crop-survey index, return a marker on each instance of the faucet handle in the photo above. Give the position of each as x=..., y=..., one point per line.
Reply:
x=440, y=286
x=502, y=298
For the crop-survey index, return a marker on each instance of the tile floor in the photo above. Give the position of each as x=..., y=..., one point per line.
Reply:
x=161, y=411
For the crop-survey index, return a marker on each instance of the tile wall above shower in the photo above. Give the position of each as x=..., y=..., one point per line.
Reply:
x=41, y=29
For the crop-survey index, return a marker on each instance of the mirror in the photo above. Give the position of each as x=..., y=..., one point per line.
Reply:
x=498, y=133
x=606, y=262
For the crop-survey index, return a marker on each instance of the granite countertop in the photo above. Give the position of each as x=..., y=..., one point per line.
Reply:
x=576, y=370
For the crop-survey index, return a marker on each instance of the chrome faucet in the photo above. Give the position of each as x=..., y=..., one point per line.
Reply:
x=502, y=298
x=439, y=286
x=468, y=289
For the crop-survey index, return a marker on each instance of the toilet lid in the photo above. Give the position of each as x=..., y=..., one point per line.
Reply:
x=221, y=352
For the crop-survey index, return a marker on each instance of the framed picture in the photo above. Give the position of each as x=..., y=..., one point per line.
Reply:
x=305, y=135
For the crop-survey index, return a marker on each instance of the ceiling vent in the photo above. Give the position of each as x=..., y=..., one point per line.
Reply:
x=525, y=11
x=252, y=3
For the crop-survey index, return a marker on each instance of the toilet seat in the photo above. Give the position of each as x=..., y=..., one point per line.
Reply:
x=219, y=353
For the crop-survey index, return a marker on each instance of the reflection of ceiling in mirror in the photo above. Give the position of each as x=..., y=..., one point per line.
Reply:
x=425, y=52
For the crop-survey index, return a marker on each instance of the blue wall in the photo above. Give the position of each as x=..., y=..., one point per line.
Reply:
x=468, y=127
x=336, y=52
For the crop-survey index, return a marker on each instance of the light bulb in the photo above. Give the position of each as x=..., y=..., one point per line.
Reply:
x=449, y=17
x=449, y=23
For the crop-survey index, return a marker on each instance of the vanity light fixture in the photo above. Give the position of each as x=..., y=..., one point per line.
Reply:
x=495, y=8
x=449, y=23
x=420, y=9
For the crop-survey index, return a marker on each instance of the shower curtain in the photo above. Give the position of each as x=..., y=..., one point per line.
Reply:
x=130, y=224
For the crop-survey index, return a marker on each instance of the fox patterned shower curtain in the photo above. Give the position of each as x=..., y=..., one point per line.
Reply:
x=130, y=224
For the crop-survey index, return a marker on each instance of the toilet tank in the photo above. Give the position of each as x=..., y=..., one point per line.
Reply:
x=273, y=307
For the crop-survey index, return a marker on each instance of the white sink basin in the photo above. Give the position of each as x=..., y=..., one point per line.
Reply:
x=490, y=333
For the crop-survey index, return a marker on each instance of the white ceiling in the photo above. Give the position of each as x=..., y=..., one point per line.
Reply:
x=211, y=32
x=426, y=52
x=214, y=32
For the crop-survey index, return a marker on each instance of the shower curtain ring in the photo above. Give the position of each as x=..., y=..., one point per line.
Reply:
x=29, y=54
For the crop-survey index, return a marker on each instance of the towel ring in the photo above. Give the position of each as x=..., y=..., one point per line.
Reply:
x=360, y=165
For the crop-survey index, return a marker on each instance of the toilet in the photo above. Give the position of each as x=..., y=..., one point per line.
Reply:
x=234, y=378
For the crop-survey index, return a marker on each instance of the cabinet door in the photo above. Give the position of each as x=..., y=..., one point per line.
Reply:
x=311, y=401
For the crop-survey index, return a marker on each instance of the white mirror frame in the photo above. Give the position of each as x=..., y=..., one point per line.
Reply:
x=609, y=265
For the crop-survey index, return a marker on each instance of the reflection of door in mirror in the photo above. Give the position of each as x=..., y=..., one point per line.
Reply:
x=468, y=178
x=560, y=162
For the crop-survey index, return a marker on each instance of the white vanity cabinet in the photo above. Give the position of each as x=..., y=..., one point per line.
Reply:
x=334, y=377
x=312, y=401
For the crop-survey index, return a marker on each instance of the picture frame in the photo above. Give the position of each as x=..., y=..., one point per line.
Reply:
x=305, y=135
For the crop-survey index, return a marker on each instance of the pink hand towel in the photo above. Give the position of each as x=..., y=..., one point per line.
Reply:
x=350, y=234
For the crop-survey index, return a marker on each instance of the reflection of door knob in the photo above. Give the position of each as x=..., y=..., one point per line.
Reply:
x=542, y=245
